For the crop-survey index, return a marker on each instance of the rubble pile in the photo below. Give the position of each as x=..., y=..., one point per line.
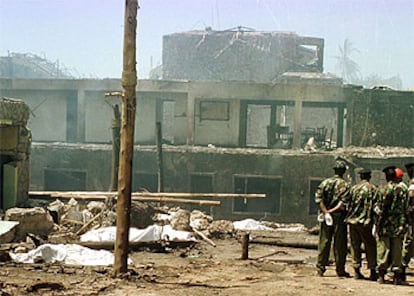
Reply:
x=59, y=224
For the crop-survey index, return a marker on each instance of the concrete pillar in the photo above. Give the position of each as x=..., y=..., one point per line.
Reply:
x=340, y=127
x=298, y=125
x=190, y=118
x=81, y=115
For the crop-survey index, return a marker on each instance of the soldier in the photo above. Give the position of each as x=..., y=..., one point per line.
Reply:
x=408, y=244
x=390, y=208
x=360, y=220
x=332, y=196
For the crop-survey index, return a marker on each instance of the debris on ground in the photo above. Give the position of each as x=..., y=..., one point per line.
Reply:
x=206, y=260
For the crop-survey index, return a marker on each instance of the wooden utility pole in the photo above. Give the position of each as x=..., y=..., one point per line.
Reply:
x=129, y=82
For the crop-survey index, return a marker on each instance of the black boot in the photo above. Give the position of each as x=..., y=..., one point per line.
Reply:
x=373, y=275
x=403, y=275
x=358, y=275
x=397, y=279
x=343, y=273
x=381, y=275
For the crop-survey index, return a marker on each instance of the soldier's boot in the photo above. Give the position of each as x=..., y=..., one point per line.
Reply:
x=397, y=278
x=373, y=275
x=320, y=270
x=381, y=277
x=403, y=275
x=358, y=275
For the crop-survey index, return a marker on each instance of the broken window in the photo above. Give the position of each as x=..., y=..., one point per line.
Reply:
x=266, y=124
x=313, y=185
x=323, y=125
x=258, y=118
x=168, y=109
x=269, y=186
x=72, y=118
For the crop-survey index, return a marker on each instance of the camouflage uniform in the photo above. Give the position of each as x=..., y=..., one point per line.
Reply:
x=408, y=245
x=331, y=191
x=360, y=220
x=391, y=227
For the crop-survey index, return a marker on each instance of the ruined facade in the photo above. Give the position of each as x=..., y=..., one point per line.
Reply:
x=31, y=66
x=239, y=54
x=241, y=112
x=240, y=137
x=15, y=140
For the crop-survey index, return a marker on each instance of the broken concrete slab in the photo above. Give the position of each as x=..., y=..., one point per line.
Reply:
x=31, y=220
x=7, y=231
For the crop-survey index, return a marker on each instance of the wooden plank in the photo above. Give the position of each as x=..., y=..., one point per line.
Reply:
x=200, y=202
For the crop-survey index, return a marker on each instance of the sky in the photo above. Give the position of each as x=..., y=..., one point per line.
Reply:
x=86, y=36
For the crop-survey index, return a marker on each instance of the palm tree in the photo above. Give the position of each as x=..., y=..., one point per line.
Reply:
x=348, y=67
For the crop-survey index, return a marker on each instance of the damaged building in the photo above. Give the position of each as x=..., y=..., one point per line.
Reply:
x=15, y=141
x=276, y=132
x=240, y=53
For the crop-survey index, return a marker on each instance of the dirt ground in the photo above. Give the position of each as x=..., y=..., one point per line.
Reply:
x=198, y=271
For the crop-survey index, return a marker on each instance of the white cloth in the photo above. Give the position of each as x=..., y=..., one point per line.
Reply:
x=249, y=224
x=70, y=254
x=152, y=233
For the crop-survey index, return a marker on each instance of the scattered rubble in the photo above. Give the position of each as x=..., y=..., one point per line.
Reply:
x=46, y=233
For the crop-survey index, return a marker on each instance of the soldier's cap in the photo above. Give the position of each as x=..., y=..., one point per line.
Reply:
x=365, y=172
x=389, y=170
x=339, y=165
x=409, y=165
x=399, y=173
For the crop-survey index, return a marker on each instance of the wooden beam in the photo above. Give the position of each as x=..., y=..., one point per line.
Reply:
x=199, y=202
x=99, y=194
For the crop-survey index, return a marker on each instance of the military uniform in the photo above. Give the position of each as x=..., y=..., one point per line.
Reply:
x=333, y=192
x=360, y=220
x=391, y=227
x=408, y=244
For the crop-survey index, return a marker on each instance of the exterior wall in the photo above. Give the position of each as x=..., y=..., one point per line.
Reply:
x=180, y=163
x=380, y=117
x=223, y=130
x=295, y=170
x=78, y=111
x=98, y=115
x=59, y=106
x=48, y=112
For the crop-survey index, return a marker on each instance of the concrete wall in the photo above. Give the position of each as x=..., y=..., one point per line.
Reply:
x=77, y=111
x=380, y=117
x=180, y=164
x=294, y=170
x=48, y=112
x=98, y=115
x=222, y=129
